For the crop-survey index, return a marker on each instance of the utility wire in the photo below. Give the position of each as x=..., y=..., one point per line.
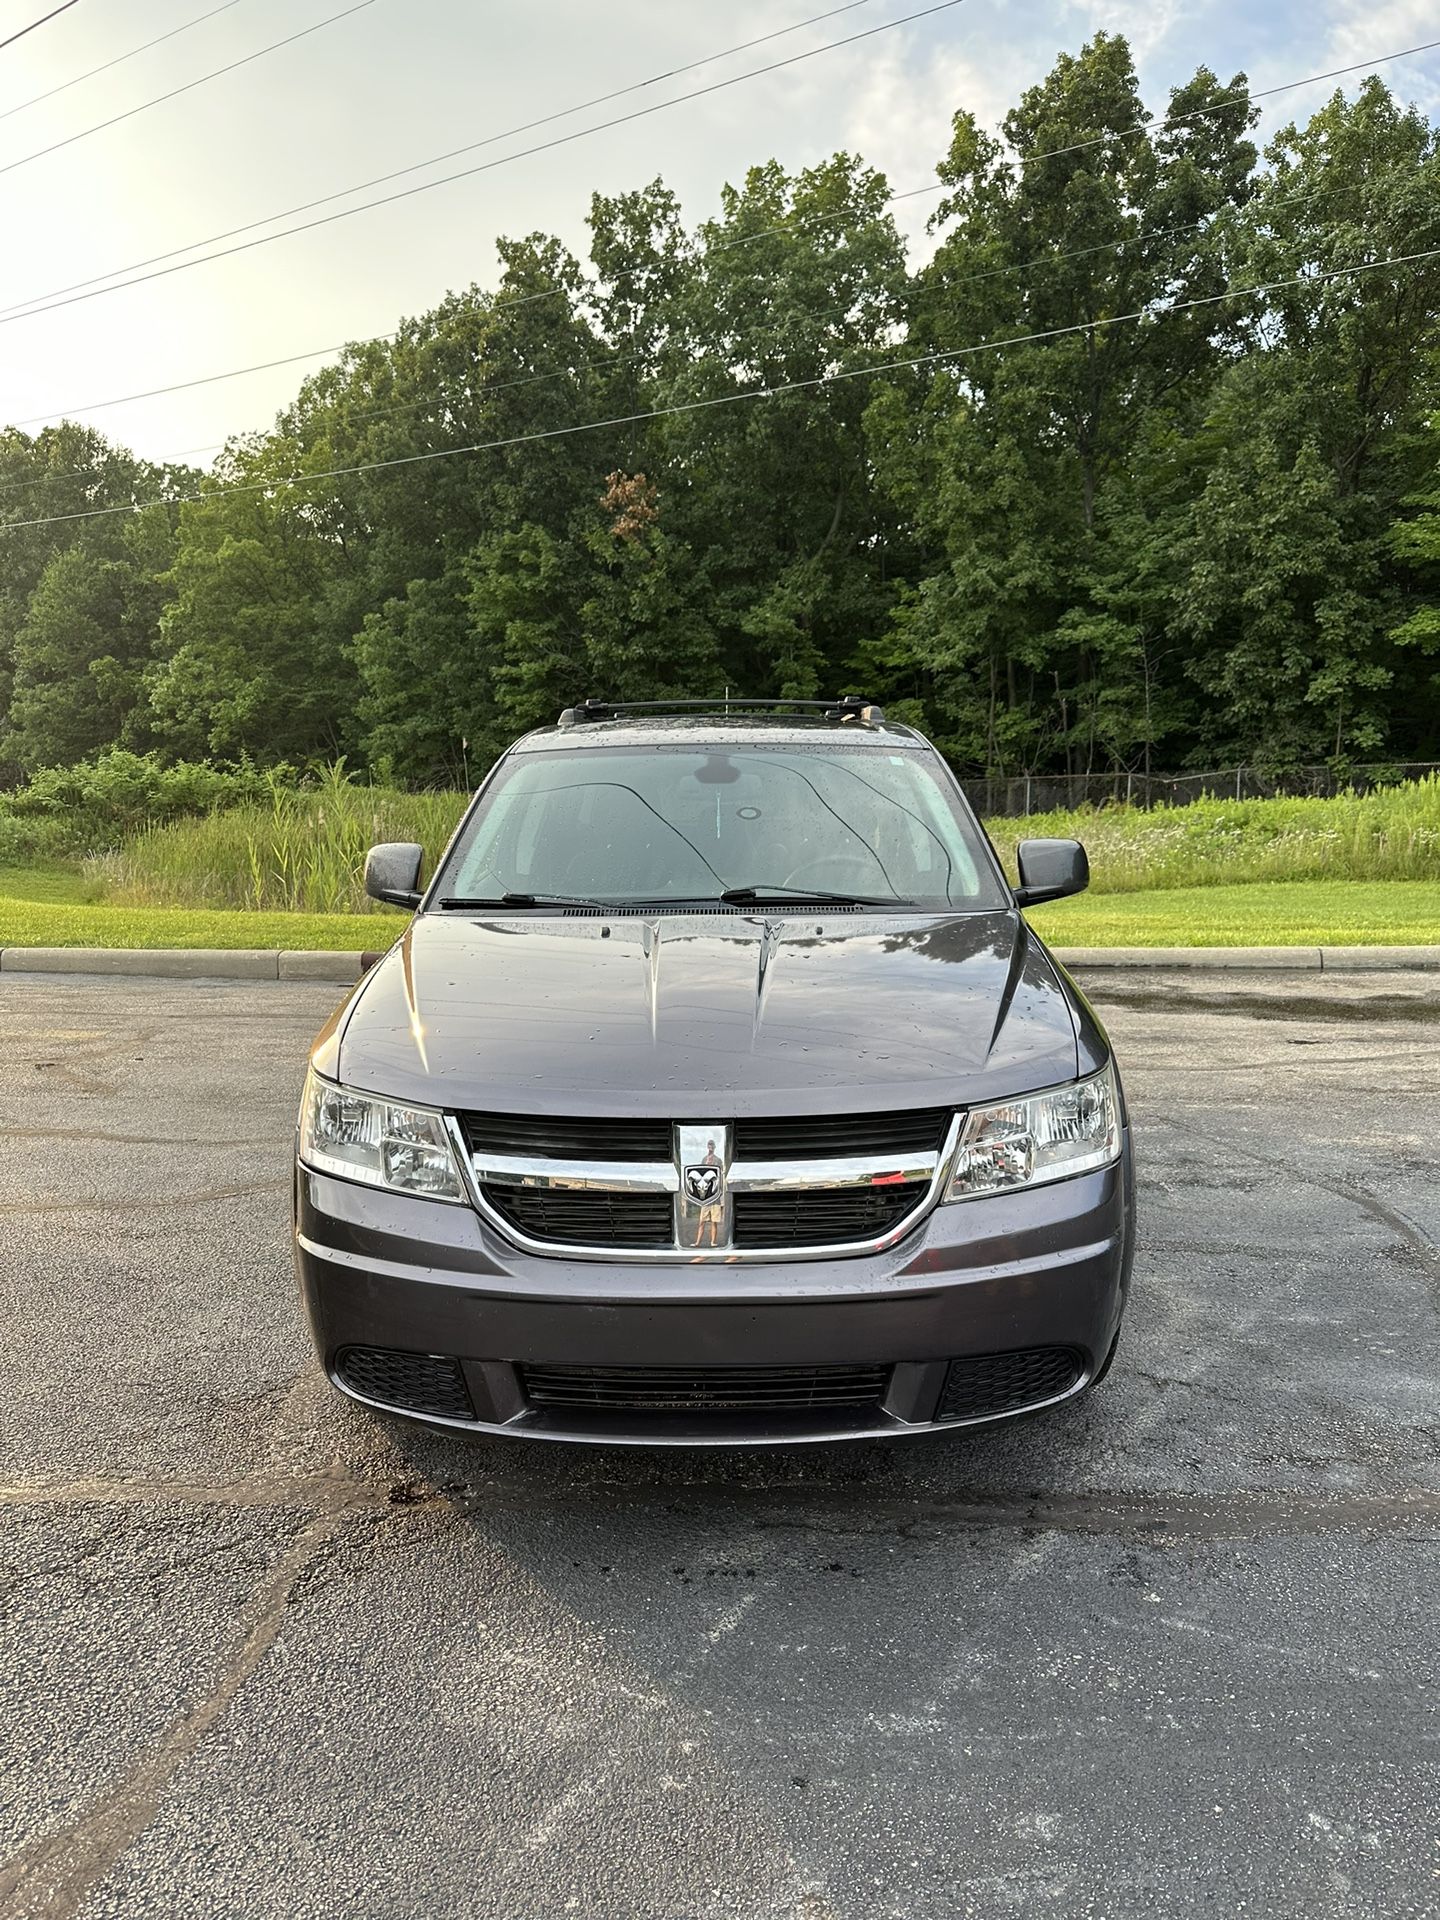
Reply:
x=205, y=380
x=905, y=363
x=615, y=359
x=106, y=65
x=749, y=238
x=511, y=133
x=743, y=349
x=544, y=146
x=21, y=310
x=608, y=358
x=189, y=87
x=1022, y=161
x=53, y=14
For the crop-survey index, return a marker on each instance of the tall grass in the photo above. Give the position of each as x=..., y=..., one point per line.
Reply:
x=1390, y=834
x=304, y=850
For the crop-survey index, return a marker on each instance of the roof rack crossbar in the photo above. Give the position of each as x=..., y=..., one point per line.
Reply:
x=850, y=706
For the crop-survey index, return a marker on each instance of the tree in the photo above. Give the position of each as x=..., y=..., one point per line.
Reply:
x=1086, y=216
x=244, y=672
x=1144, y=477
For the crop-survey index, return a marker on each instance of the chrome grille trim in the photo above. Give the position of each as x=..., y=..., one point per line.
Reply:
x=754, y=1176
x=780, y=1176
x=617, y=1176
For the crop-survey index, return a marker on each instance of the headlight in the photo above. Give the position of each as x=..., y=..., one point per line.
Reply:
x=376, y=1141
x=1048, y=1136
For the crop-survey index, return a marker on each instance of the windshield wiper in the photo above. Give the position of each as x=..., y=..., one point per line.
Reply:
x=463, y=902
x=809, y=896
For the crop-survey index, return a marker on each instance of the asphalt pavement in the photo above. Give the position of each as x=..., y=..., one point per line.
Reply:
x=1171, y=1651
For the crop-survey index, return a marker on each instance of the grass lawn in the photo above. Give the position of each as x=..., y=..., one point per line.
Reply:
x=1262, y=913
x=48, y=908
x=55, y=884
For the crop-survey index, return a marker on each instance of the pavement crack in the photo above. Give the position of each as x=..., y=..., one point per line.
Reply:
x=321, y=1493
x=1176, y=1516
x=51, y=1878
x=1159, y=1518
x=1419, y=1243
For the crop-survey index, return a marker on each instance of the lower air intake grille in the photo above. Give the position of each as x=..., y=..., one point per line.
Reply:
x=587, y=1217
x=705, y=1390
x=991, y=1383
x=418, y=1382
x=823, y=1216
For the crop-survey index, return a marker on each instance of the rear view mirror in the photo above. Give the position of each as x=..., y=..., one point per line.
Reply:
x=1049, y=870
x=392, y=873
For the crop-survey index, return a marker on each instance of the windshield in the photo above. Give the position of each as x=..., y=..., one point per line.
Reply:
x=660, y=824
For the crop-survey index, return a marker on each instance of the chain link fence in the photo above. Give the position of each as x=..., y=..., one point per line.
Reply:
x=1014, y=795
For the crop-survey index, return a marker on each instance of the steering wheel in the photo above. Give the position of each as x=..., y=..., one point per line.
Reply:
x=838, y=873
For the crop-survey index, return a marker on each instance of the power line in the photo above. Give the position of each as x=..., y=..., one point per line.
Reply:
x=53, y=14
x=906, y=363
x=545, y=146
x=307, y=206
x=608, y=358
x=105, y=66
x=205, y=380
x=747, y=239
x=21, y=310
x=1129, y=133
x=511, y=133
x=189, y=87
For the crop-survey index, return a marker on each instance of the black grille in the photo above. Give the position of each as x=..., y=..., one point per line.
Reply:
x=837, y=1135
x=538, y=1137
x=419, y=1382
x=990, y=1383
x=823, y=1216
x=705, y=1390
x=585, y=1217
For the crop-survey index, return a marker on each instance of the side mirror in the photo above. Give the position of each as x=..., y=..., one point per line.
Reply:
x=392, y=873
x=1049, y=870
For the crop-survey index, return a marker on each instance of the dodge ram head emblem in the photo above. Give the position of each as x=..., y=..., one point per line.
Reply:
x=702, y=1183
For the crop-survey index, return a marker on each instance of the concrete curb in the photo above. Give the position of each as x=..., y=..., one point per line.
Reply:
x=344, y=969
x=1254, y=959
x=189, y=963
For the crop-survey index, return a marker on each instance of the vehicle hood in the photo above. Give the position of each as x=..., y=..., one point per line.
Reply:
x=708, y=1014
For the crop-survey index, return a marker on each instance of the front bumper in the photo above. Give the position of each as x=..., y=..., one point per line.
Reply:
x=1007, y=1275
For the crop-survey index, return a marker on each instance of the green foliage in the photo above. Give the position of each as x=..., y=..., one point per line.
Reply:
x=1169, y=499
x=1392, y=833
x=303, y=849
x=97, y=803
x=300, y=850
x=1415, y=542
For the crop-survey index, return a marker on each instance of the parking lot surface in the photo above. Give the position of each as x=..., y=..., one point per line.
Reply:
x=1170, y=1651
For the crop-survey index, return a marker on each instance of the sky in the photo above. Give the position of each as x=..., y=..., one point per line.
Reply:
x=396, y=82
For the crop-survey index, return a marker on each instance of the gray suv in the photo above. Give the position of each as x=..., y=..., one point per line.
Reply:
x=717, y=1091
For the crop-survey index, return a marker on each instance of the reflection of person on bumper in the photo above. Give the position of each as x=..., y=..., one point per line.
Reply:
x=713, y=1208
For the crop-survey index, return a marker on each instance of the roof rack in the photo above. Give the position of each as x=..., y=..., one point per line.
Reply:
x=851, y=707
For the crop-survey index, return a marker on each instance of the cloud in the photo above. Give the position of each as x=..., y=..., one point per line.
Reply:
x=1146, y=24
x=1360, y=30
x=900, y=118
